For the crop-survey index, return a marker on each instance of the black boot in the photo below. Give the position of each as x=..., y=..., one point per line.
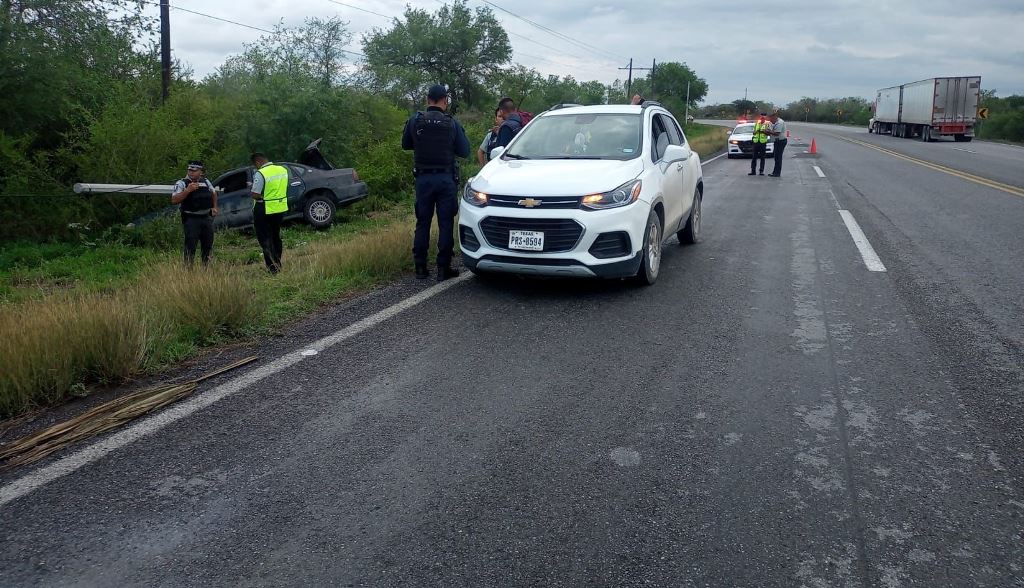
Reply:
x=446, y=271
x=421, y=271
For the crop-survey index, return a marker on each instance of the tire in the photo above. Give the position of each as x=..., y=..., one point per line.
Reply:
x=690, y=233
x=730, y=156
x=967, y=139
x=650, y=265
x=319, y=211
x=926, y=134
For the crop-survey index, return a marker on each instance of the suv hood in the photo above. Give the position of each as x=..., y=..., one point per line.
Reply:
x=313, y=158
x=555, y=177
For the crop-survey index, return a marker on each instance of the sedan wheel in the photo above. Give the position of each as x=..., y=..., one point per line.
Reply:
x=319, y=212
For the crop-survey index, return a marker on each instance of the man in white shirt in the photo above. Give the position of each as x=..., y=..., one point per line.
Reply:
x=778, y=135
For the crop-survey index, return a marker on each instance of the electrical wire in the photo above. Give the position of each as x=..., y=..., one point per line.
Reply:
x=551, y=31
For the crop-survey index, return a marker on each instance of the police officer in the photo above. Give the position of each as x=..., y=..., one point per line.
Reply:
x=761, y=130
x=435, y=139
x=198, y=202
x=269, y=193
x=781, y=140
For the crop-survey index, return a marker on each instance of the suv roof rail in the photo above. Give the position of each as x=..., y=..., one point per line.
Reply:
x=564, y=105
x=649, y=103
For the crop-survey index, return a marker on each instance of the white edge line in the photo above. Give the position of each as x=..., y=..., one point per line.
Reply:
x=867, y=252
x=715, y=157
x=818, y=171
x=66, y=465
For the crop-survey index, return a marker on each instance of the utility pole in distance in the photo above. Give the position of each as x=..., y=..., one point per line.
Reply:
x=629, y=82
x=165, y=47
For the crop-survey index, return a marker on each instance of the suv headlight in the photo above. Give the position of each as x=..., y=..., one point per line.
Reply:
x=624, y=195
x=474, y=197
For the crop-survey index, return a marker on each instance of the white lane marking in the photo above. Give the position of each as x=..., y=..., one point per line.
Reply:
x=964, y=150
x=714, y=158
x=834, y=199
x=66, y=465
x=818, y=171
x=867, y=252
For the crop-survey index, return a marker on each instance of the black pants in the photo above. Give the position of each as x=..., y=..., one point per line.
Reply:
x=759, y=153
x=198, y=229
x=780, y=146
x=435, y=192
x=268, y=233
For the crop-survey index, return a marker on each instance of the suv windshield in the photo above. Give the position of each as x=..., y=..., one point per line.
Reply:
x=581, y=136
x=743, y=129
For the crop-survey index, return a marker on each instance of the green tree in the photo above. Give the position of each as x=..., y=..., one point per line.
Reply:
x=458, y=46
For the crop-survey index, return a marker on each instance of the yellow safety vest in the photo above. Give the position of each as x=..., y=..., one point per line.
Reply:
x=275, y=188
x=760, y=131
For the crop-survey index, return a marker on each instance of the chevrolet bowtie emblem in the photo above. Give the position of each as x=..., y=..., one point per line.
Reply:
x=529, y=202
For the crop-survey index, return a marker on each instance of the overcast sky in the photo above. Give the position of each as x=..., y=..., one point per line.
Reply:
x=775, y=51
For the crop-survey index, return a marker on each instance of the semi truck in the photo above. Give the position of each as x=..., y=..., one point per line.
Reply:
x=928, y=109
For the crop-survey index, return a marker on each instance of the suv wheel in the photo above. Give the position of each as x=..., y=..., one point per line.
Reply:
x=319, y=212
x=650, y=265
x=691, y=232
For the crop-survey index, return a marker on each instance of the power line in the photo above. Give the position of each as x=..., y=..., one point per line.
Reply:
x=551, y=31
x=236, y=23
x=363, y=9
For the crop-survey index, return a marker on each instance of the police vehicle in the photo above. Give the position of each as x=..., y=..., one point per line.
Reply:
x=584, y=191
x=740, y=141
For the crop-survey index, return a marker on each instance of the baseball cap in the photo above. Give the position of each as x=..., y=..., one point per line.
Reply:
x=437, y=92
x=195, y=164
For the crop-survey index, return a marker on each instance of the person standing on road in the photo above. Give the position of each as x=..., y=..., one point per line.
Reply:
x=436, y=139
x=269, y=204
x=780, y=140
x=483, y=154
x=760, y=140
x=198, y=201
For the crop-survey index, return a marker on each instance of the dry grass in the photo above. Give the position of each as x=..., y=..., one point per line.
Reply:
x=709, y=143
x=59, y=344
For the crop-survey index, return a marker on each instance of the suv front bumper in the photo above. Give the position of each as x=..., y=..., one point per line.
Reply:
x=614, y=235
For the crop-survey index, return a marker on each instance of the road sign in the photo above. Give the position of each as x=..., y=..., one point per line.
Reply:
x=982, y=113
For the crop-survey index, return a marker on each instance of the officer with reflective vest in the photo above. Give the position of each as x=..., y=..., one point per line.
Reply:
x=269, y=204
x=436, y=139
x=761, y=129
x=198, y=202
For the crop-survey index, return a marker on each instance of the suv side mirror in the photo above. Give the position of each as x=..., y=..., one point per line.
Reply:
x=728, y=132
x=675, y=153
x=496, y=152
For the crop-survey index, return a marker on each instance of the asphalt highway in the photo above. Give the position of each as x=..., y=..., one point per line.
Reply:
x=770, y=413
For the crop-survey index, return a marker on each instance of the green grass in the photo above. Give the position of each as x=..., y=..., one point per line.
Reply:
x=77, y=315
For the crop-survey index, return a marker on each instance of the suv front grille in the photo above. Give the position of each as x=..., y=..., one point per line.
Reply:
x=539, y=202
x=559, y=234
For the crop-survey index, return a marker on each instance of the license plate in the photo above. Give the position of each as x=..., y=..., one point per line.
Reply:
x=526, y=240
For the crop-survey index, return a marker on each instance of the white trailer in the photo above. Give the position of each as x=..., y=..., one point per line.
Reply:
x=928, y=109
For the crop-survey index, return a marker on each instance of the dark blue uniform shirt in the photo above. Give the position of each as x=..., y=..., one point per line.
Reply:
x=461, y=141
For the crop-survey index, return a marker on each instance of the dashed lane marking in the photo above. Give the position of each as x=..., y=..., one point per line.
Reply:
x=867, y=252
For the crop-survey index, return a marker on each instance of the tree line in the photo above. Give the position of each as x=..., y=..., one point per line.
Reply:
x=80, y=101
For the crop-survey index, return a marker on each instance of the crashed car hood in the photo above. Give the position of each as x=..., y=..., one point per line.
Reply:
x=555, y=177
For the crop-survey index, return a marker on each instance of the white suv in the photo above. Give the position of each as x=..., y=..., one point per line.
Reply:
x=587, y=191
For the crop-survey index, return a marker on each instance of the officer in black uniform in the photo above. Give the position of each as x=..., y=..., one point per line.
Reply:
x=436, y=139
x=198, y=202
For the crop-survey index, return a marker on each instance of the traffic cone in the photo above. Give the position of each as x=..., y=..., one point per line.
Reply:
x=814, y=147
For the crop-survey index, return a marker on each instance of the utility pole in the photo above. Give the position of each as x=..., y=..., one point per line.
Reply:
x=654, y=64
x=629, y=82
x=165, y=46
x=686, y=117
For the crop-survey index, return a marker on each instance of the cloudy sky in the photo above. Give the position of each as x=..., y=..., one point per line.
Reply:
x=775, y=51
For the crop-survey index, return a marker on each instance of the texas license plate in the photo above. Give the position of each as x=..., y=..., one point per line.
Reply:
x=526, y=240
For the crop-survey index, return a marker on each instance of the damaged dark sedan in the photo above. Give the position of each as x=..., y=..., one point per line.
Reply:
x=315, y=191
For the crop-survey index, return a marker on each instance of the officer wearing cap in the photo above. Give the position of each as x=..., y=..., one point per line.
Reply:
x=436, y=139
x=198, y=201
